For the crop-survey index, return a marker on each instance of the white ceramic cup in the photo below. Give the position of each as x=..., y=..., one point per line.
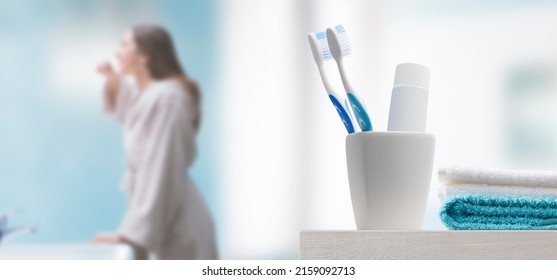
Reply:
x=390, y=175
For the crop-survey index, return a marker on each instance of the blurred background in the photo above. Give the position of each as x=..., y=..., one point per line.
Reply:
x=272, y=157
x=61, y=158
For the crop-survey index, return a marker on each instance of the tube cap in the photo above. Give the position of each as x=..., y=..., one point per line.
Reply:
x=412, y=74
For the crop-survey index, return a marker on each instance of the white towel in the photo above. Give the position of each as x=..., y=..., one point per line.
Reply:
x=539, y=178
x=448, y=190
x=463, y=180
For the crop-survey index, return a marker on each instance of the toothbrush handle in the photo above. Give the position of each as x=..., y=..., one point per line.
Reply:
x=343, y=113
x=360, y=112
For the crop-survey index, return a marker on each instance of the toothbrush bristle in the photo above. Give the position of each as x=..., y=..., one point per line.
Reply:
x=344, y=40
x=324, y=45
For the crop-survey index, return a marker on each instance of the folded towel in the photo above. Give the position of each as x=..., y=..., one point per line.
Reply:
x=448, y=190
x=493, y=199
x=494, y=212
x=498, y=176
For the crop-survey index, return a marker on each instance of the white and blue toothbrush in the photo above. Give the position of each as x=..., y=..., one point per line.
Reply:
x=321, y=53
x=339, y=46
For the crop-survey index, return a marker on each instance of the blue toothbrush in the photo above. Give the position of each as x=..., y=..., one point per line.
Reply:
x=321, y=53
x=339, y=46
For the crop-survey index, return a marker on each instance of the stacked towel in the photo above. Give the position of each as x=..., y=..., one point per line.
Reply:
x=492, y=199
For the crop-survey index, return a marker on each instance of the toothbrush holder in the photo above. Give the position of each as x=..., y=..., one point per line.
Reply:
x=390, y=175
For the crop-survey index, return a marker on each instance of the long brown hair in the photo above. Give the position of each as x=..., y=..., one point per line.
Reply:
x=155, y=42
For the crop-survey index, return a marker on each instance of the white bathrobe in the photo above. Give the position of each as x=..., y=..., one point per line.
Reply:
x=166, y=213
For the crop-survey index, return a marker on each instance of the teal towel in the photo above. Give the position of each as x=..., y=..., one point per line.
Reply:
x=496, y=212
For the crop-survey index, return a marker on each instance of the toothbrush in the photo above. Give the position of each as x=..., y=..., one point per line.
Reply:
x=339, y=46
x=321, y=53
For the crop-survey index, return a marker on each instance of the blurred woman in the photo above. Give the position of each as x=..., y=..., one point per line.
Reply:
x=160, y=114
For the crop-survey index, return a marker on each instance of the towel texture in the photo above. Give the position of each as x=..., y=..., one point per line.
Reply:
x=489, y=212
x=448, y=190
x=498, y=176
x=494, y=199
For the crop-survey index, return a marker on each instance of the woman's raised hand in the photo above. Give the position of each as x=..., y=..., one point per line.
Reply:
x=111, y=85
x=105, y=68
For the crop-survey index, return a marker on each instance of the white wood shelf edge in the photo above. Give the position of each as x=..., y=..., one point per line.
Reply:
x=441, y=245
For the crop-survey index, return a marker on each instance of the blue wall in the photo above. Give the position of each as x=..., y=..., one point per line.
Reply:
x=61, y=159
